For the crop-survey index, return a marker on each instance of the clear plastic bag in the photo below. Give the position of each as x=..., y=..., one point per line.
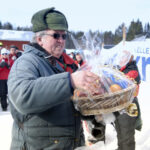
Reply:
x=113, y=91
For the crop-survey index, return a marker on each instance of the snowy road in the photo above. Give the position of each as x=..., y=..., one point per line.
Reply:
x=5, y=130
x=142, y=138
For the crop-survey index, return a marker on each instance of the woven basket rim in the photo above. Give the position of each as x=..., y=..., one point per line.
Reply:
x=105, y=94
x=88, y=112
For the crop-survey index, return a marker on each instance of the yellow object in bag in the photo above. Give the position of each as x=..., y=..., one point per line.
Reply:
x=132, y=110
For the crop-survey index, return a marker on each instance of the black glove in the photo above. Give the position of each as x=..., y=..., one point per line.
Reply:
x=3, y=64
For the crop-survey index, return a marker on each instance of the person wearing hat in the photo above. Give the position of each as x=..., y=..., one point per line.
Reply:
x=12, y=50
x=40, y=87
x=127, y=124
x=5, y=65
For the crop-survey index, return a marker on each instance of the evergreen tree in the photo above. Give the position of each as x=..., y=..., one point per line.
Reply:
x=0, y=25
x=118, y=34
x=79, y=40
x=135, y=28
x=7, y=26
x=23, y=28
x=69, y=41
x=108, y=38
x=147, y=28
x=139, y=27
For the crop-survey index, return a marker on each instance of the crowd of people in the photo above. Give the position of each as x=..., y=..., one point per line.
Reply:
x=40, y=86
x=7, y=58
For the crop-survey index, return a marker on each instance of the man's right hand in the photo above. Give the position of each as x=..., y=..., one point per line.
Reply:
x=85, y=80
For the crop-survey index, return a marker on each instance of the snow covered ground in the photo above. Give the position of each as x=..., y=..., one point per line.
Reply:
x=142, y=138
x=5, y=130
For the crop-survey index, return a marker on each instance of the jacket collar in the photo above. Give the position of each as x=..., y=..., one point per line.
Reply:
x=36, y=49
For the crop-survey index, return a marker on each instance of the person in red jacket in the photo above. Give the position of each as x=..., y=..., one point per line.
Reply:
x=126, y=124
x=5, y=65
x=79, y=60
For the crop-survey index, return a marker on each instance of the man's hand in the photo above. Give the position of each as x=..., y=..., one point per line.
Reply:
x=85, y=80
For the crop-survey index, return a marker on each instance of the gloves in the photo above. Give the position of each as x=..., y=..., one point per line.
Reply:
x=3, y=64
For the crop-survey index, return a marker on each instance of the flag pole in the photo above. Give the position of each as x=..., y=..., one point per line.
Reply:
x=124, y=34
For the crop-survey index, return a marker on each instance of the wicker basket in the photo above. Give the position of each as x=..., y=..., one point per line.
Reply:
x=106, y=103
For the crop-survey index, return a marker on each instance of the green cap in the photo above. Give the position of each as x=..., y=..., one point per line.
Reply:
x=49, y=19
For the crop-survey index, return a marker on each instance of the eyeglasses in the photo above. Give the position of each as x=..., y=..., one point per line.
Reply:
x=57, y=36
x=4, y=54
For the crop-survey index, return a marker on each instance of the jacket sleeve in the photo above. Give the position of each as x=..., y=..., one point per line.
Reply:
x=132, y=74
x=30, y=93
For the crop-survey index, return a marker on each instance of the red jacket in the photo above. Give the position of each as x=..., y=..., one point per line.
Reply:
x=13, y=57
x=4, y=71
x=79, y=64
x=67, y=63
x=131, y=70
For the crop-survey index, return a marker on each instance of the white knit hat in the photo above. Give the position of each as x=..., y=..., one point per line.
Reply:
x=4, y=51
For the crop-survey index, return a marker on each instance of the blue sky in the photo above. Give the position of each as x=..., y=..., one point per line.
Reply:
x=102, y=15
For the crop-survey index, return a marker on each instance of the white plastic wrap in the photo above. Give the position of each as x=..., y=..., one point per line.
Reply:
x=114, y=91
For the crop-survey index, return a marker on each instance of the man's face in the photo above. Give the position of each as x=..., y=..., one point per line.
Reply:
x=12, y=51
x=78, y=57
x=54, y=42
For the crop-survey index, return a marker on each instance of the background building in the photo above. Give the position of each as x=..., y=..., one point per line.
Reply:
x=12, y=37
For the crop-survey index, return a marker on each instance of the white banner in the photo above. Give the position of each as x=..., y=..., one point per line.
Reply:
x=141, y=52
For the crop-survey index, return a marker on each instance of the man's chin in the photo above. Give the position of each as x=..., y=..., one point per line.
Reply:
x=58, y=55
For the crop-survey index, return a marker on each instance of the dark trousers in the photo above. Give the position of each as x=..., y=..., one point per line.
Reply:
x=125, y=126
x=4, y=102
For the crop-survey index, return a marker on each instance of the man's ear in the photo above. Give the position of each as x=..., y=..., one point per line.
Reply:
x=39, y=40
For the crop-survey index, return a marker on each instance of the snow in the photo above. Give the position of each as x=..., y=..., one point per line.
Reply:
x=142, y=138
x=5, y=130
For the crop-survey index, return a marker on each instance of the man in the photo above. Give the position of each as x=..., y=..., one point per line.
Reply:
x=40, y=87
x=12, y=54
x=15, y=52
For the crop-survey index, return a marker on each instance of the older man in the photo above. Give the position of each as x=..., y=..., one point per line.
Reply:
x=40, y=87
